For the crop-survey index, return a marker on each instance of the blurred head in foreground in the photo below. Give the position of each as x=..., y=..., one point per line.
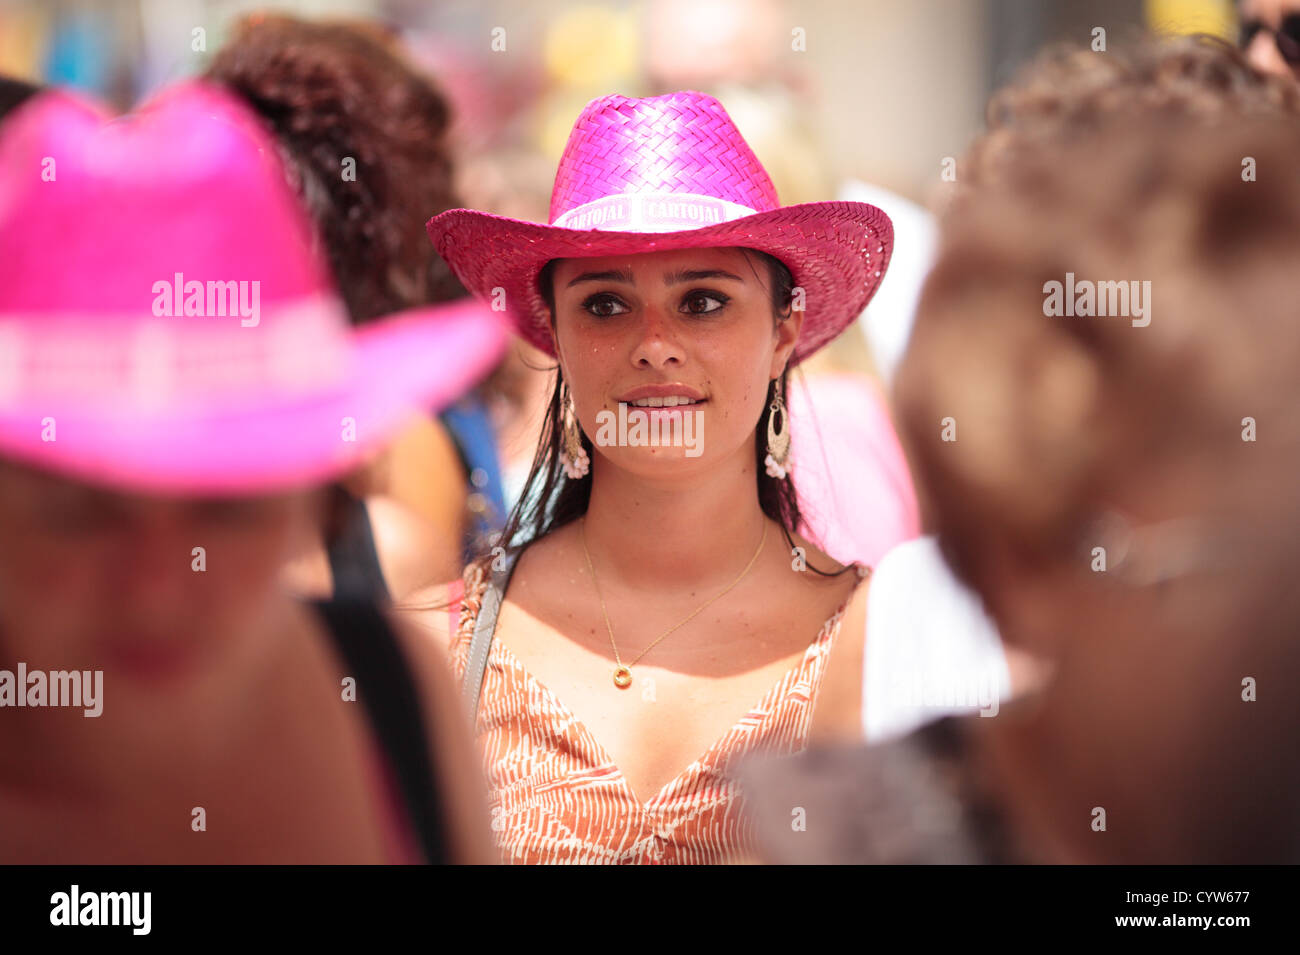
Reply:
x=177, y=375
x=1114, y=232
x=1100, y=402
x=1099, y=405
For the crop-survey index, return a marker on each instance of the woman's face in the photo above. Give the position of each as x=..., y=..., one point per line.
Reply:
x=150, y=590
x=695, y=325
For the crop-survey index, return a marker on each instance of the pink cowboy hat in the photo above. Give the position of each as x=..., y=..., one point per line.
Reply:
x=166, y=322
x=669, y=172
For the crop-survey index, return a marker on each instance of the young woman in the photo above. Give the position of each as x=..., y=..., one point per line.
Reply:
x=177, y=381
x=662, y=618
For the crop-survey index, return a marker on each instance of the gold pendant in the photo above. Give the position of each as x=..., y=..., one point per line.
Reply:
x=622, y=678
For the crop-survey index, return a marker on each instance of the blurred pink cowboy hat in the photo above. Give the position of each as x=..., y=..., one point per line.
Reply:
x=669, y=172
x=167, y=323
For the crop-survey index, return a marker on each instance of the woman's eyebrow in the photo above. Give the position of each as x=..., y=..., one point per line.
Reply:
x=697, y=275
x=609, y=275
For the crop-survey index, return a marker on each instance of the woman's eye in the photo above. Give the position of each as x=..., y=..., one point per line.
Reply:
x=604, y=305
x=701, y=303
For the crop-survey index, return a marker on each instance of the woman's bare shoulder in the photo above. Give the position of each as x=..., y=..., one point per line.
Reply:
x=837, y=715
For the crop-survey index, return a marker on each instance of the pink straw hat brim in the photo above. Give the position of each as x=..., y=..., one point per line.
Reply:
x=412, y=363
x=837, y=252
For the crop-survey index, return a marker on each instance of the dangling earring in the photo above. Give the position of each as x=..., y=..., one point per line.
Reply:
x=573, y=458
x=778, y=442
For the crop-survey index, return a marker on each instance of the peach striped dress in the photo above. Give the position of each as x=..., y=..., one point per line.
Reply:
x=555, y=795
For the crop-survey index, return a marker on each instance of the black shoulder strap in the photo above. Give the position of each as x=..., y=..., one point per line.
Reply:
x=354, y=561
x=386, y=688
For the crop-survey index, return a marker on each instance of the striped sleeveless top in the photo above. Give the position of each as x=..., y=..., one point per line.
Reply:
x=555, y=796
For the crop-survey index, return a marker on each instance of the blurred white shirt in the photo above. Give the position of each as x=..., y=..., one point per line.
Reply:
x=931, y=650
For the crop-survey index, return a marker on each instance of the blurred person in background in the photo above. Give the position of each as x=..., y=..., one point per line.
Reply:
x=1120, y=491
x=162, y=454
x=1270, y=35
x=364, y=135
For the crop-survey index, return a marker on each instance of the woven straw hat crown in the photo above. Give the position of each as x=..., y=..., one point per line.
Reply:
x=681, y=143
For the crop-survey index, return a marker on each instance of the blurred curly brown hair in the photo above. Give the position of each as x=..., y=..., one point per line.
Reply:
x=1067, y=92
x=336, y=90
x=1143, y=180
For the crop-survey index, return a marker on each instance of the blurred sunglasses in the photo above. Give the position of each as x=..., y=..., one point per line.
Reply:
x=1287, y=36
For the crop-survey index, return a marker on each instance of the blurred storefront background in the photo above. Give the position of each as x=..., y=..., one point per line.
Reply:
x=853, y=99
x=826, y=91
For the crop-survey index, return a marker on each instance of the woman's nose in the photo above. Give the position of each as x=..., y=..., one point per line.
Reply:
x=658, y=345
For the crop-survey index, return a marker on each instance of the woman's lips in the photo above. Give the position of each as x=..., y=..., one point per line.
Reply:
x=672, y=389
x=670, y=411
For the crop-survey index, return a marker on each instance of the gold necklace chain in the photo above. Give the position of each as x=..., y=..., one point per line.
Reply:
x=623, y=672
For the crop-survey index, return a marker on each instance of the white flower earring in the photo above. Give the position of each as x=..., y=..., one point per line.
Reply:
x=573, y=458
x=778, y=442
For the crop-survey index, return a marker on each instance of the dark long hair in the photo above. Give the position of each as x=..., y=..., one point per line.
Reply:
x=549, y=499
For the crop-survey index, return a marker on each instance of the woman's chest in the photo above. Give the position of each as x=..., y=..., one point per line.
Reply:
x=557, y=717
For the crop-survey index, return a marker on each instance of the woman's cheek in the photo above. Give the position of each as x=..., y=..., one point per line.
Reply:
x=59, y=572
x=48, y=597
